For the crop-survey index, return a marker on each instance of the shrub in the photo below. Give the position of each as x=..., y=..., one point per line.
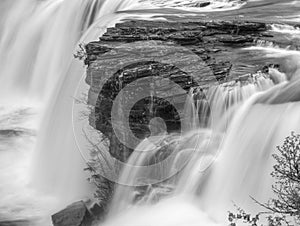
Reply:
x=287, y=175
x=285, y=207
x=81, y=52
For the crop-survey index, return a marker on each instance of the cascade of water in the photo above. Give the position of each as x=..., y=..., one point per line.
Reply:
x=220, y=103
x=37, y=42
x=283, y=28
x=240, y=150
x=274, y=50
x=36, y=53
x=19, y=46
x=37, y=45
x=58, y=165
x=191, y=112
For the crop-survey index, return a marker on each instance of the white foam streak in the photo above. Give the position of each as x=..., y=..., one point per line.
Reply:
x=284, y=28
x=192, y=6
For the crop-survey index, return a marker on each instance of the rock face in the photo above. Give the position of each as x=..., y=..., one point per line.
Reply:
x=140, y=116
x=195, y=53
x=77, y=214
x=205, y=39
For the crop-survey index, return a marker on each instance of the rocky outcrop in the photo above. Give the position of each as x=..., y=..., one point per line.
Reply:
x=77, y=214
x=193, y=53
x=205, y=39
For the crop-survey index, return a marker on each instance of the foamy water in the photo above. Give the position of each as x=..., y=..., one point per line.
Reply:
x=18, y=127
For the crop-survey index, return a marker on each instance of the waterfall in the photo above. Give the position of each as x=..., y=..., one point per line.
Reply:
x=58, y=165
x=37, y=42
x=203, y=197
x=220, y=132
x=227, y=123
x=39, y=72
x=283, y=28
x=231, y=161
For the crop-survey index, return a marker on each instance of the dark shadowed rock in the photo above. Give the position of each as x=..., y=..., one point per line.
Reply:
x=16, y=223
x=230, y=39
x=97, y=211
x=202, y=4
x=76, y=214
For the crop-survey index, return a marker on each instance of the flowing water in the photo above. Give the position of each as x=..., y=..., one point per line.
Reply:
x=41, y=169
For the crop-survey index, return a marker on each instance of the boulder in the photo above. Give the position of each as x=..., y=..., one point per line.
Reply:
x=76, y=214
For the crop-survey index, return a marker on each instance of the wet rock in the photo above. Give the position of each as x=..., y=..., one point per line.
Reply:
x=139, y=114
x=202, y=4
x=190, y=34
x=76, y=214
x=231, y=40
x=97, y=210
x=93, y=50
x=184, y=38
x=265, y=69
x=266, y=34
x=244, y=78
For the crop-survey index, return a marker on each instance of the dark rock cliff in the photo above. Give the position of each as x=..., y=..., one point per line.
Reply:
x=194, y=53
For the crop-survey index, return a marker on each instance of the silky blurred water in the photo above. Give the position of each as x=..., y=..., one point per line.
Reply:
x=39, y=75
